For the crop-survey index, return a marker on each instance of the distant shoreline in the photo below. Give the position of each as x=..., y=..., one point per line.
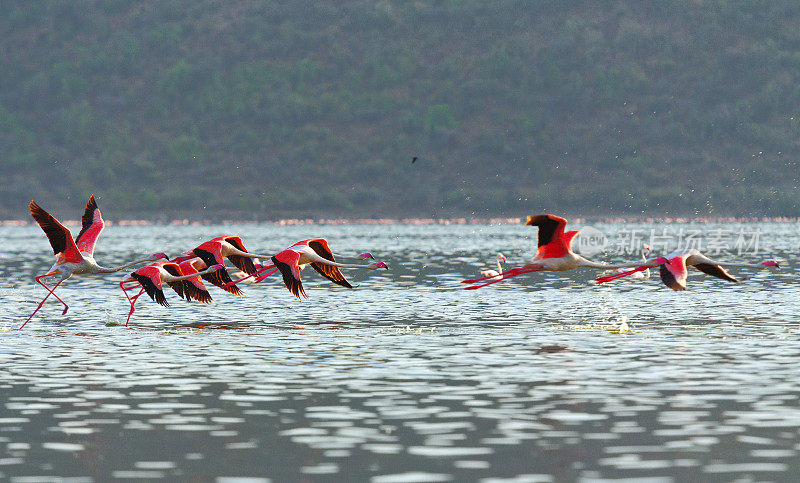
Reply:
x=421, y=221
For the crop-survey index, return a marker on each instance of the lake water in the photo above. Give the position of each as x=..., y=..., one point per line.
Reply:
x=406, y=377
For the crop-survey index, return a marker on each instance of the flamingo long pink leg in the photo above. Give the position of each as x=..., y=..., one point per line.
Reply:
x=259, y=279
x=503, y=276
x=254, y=274
x=132, y=300
x=39, y=281
x=49, y=292
x=608, y=278
x=511, y=271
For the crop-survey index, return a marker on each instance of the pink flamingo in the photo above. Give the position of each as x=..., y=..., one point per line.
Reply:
x=74, y=257
x=314, y=252
x=214, y=252
x=215, y=278
x=194, y=286
x=495, y=273
x=674, y=273
x=151, y=277
x=555, y=253
x=323, y=251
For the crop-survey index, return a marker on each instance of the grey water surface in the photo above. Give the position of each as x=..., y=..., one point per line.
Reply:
x=407, y=377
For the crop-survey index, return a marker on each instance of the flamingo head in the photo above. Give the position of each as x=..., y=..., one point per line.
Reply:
x=661, y=260
x=365, y=255
x=501, y=257
x=158, y=256
x=377, y=265
x=770, y=263
x=646, y=247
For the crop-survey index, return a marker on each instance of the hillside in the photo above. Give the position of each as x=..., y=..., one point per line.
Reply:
x=261, y=110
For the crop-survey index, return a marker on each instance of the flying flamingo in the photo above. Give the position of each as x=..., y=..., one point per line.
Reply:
x=555, y=253
x=674, y=273
x=494, y=273
x=194, y=287
x=151, y=277
x=214, y=252
x=314, y=252
x=257, y=277
x=74, y=257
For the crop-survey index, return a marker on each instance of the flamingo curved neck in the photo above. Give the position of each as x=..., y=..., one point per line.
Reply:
x=646, y=273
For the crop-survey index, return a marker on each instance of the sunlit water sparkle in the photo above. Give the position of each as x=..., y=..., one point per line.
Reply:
x=405, y=378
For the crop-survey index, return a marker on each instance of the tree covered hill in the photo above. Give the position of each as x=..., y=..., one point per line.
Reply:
x=266, y=109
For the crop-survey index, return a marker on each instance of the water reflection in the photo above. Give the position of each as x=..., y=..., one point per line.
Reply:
x=407, y=377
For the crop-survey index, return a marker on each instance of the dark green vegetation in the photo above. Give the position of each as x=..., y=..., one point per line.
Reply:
x=316, y=108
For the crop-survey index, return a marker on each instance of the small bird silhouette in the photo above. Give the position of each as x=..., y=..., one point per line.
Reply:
x=414, y=160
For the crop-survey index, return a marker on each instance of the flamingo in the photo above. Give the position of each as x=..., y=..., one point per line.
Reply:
x=194, y=287
x=151, y=277
x=555, y=253
x=214, y=251
x=495, y=273
x=75, y=256
x=314, y=252
x=674, y=273
x=257, y=277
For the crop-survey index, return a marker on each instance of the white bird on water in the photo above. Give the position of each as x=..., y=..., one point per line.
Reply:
x=495, y=273
x=639, y=275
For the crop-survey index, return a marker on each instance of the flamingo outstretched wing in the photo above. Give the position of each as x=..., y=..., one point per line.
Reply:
x=244, y=264
x=552, y=241
x=220, y=278
x=59, y=236
x=716, y=271
x=194, y=287
x=287, y=262
x=178, y=286
x=330, y=272
x=92, y=224
x=152, y=287
x=674, y=275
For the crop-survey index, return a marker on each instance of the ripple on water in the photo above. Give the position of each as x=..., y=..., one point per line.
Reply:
x=407, y=371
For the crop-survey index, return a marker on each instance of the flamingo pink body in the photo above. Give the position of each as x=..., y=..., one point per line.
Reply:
x=150, y=279
x=74, y=257
x=675, y=273
x=314, y=252
x=554, y=253
x=215, y=251
x=193, y=267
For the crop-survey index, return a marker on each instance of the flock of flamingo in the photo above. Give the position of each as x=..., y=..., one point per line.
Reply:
x=186, y=273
